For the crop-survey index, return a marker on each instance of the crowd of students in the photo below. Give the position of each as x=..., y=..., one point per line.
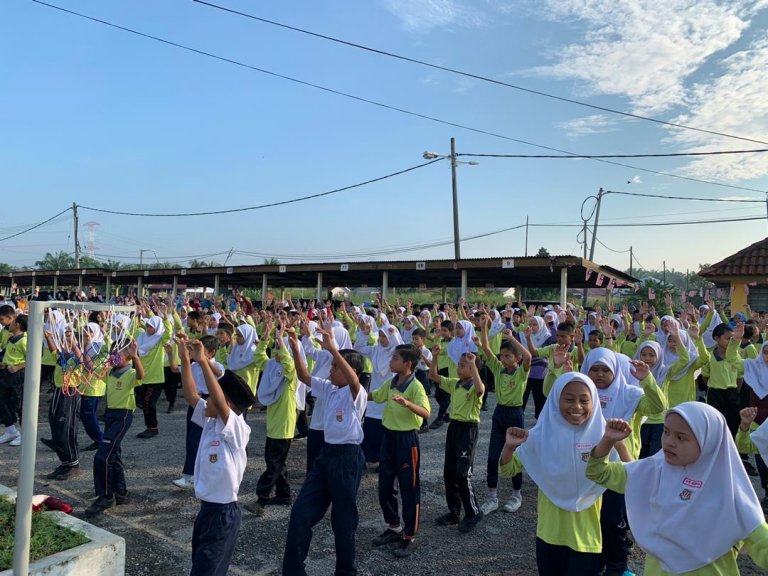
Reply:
x=620, y=440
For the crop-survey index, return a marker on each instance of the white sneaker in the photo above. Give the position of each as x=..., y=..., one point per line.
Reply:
x=185, y=482
x=16, y=441
x=7, y=437
x=513, y=504
x=490, y=506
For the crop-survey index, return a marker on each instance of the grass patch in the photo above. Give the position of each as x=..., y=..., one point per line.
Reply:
x=47, y=536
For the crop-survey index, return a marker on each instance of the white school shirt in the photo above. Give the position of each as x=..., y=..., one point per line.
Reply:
x=425, y=353
x=199, y=377
x=221, y=458
x=343, y=415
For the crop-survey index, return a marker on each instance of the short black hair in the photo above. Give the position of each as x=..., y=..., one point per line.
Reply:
x=21, y=322
x=566, y=327
x=354, y=359
x=194, y=315
x=408, y=353
x=226, y=327
x=509, y=345
x=210, y=343
x=448, y=325
x=597, y=334
x=749, y=331
x=721, y=329
x=419, y=332
x=7, y=310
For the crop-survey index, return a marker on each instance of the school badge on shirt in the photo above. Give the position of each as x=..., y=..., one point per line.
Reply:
x=604, y=400
x=580, y=447
x=339, y=414
x=686, y=494
x=214, y=457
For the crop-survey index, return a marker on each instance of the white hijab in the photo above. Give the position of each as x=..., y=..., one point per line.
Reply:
x=659, y=370
x=459, y=346
x=709, y=341
x=756, y=373
x=241, y=355
x=381, y=355
x=671, y=357
x=145, y=341
x=407, y=333
x=97, y=339
x=273, y=381
x=555, y=454
x=540, y=337
x=551, y=314
x=689, y=516
x=497, y=325
x=760, y=439
x=620, y=321
x=620, y=399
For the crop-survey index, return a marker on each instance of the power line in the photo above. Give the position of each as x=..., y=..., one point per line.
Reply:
x=611, y=249
x=374, y=102
x=597, y=156
x=638, y=263
x=35, y=226
x=166, y=258
x=271, y=204
x=635, y=224
x=743, y=200
x=476, y=76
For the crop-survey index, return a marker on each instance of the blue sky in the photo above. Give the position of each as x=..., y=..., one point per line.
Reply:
x=110, y=120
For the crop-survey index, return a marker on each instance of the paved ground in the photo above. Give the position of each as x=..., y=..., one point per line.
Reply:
x=157, y=524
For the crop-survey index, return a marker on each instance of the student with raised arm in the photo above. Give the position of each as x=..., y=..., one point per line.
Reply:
x=221, y=459
x=335, y=476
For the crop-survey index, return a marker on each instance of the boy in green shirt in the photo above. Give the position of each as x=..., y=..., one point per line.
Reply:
x=407, y=406
x=466, y=393
x=12, y=380
x=510, y=372
x=721, y=374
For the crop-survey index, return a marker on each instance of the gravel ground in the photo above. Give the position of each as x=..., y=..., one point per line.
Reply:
x=157, y=523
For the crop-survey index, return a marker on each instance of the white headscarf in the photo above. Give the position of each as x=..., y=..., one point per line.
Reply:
x=756, y=373
x=671, y=357
x=552, y=315
x=555, y=454
x=497, y=325
x=541, y=336
x=381, y=355
x=407, y=333
x=620, y=399
x=689, y=516
x=709, y=341
x=659, y=370
x=461, y=345
x=360, y=335
x=760, y=439
x=620, y=321
x=145, y=341
x=273, y=381
x=341, y=335
x=241, y=355
x=97, y=339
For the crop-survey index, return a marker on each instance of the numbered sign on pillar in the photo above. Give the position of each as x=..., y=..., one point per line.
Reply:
x=230, y=270
x=282, y=269
x=183, y=271
x=344, y=268
x=508, y=263
x=421, y=265
x=146, y=272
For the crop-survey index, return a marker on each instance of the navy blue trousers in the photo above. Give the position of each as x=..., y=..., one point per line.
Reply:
x=108, y=467
x=650, y=437
x=63, y=415
x=89, y=406
x=460, y=444
x=503, y=417
x=400, y=459
x=333, y=481
x=553, y=560
x=315, y=443
x=613, y=525
x=192, y=437
x=213, y=538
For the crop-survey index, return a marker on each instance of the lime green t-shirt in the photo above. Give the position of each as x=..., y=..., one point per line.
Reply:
x=120, y=389
x=281, y=416
x=579, y=531
x=16, y=351
x=397, y=417
x=723, y=373
x=465, y=402
x=251, y=372
x=510, y=386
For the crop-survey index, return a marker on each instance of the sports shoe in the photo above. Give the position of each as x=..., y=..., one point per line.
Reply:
x=447, y=519
x=148, y=433
x=123, y=498
x=49, y=443
x=170, y=408
x=436, y=424
x=513, y=504
x=184, y=482
x=278, y=501
x=256, y=508
x=404, y=548
x=491, y=505
x=387, y=537
x=64, y=473
x=16, y=441
x=468, y=523
x=92, y=446
x=8, y=437
x=99, y=505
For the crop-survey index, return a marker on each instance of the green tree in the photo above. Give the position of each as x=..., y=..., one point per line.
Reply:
x=271, y=261
x=58, y=261
x=542, y=253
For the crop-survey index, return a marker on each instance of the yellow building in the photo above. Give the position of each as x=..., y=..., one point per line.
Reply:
x=745, y=274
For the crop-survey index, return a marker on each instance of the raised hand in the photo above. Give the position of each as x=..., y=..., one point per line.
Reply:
x=196, y=351
x=436, y=351
x=738, y=332
x=515, y=437
x=748, y=416
x=639, y=369
x=616, y=430
x=397, y=399
x=560, y=355
x=693, y=330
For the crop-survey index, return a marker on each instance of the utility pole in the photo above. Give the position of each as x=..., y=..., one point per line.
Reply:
x=594, y=228
x=77, y=242
x=584, y=231
x=664, y=263
x=456, y=241
x=630, y=260
x=526, y=235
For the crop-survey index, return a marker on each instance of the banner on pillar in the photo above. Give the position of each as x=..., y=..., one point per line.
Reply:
x=651, y=294
x=600, y=278
x=683, y=297
x=611, y=284
x=588, y=274
x=746, y=289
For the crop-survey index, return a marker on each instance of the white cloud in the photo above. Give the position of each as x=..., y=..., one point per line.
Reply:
x=635, y=180
x=594, y=124
x=425, y=15
x=645, y=49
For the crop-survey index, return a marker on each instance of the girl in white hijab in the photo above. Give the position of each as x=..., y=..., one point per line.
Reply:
x=380, y=355
x=554, y=453
x=246, y=358
x=463, y=341
x=410, y=323
x=691, y=506
x=151, y=341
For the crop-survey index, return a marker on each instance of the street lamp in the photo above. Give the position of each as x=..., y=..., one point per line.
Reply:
x=141, y=255
x=454, y=162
